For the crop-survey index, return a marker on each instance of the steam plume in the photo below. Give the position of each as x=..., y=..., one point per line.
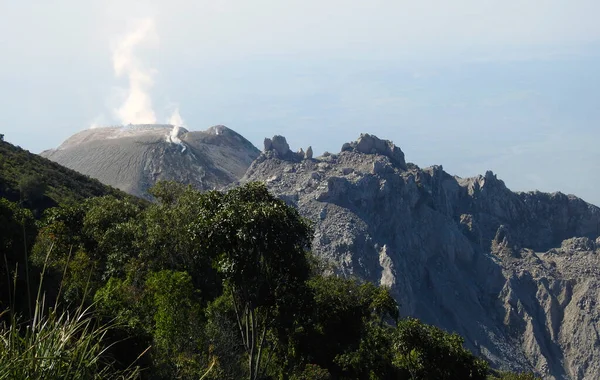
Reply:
x=137, y=107
x=175, y=119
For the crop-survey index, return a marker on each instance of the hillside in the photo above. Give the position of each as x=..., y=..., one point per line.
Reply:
x=516, y=274
x=172, y=253
x=44, y=183
x=133, y=158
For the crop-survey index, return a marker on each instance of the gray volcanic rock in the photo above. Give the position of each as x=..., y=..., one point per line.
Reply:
x=309, y=153
x=278, y=147
x=516, y=274
x=369, y=144
x=134, y=157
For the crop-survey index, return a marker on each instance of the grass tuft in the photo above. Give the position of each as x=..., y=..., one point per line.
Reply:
x=57, y=344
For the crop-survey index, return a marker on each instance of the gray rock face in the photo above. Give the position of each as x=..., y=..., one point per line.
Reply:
x=516, y=274
x=134, y=157
x=369, y=144
x=278, y=147
x=309, y=153
x=277, y=144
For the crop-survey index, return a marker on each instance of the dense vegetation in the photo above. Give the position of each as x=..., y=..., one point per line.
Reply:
x=40, y=183
x=197, y=285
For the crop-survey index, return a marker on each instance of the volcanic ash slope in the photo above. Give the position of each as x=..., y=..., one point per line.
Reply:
x=516, y=274
x=135, y=157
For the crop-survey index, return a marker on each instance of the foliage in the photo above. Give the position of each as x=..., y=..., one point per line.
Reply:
x=18, y=228
x=17, y=232
x=263, y=262
x=427, y=352
x=313, y=372
x=93, y=239
x=32, y=188
x=177, y=321
x=48, y=182
x=168, y=192
x=57, y=345
x=256, y=242
x=109, y=226
x=167, y=311
x=173, y=236
x=223, y=338
x=219, y=286
x=513, y=376
x=345, y=332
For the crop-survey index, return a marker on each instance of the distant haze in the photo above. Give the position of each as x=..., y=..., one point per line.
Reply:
x=512, y=86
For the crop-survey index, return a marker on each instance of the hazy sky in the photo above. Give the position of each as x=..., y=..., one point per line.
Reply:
x=511, y=85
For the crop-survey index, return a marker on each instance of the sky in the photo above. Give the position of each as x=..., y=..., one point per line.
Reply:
x=511, y=86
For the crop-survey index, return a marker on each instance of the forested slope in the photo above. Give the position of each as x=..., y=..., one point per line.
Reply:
x=41, y=183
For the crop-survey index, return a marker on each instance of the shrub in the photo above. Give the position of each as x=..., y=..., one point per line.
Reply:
x=57, y=345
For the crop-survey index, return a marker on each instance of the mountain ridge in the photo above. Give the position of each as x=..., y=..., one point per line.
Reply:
x=516, y=274
x=465, y=254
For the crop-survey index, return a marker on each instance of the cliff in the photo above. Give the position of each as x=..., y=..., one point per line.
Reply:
x=516, y=274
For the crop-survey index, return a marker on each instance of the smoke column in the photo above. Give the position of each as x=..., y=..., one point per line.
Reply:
x=137, y=107
x=175, y=119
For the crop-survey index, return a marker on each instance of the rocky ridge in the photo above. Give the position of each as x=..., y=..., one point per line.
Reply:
x=516, y=274
x=134, y=157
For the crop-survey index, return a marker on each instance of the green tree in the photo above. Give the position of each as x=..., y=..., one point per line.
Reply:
x=262, y=244
x=110, y=227
x=173, y=235
x=168, y=192
x=223, y=337
x=167, y=312
x=31, y=188
x=347, y=330
x=60, y=232
x=312, y=372
x=177, y=311
x=427, y=352
x=17, y=233
x=220, y=284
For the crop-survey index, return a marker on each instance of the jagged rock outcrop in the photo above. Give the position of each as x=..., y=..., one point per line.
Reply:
x=369, y=144
x=309, y=153
x=278, y=147
x=277, y=144
x=516, y=274
x=134, y=157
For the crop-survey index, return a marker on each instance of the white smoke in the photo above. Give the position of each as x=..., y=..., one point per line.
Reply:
x=137, y=106
x=173, y=137
x=175, y=119
x=177, y=122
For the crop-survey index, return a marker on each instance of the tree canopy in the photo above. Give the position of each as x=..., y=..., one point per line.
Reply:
x=222, y=285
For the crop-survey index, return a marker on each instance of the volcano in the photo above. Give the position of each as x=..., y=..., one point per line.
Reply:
x=134, y=157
